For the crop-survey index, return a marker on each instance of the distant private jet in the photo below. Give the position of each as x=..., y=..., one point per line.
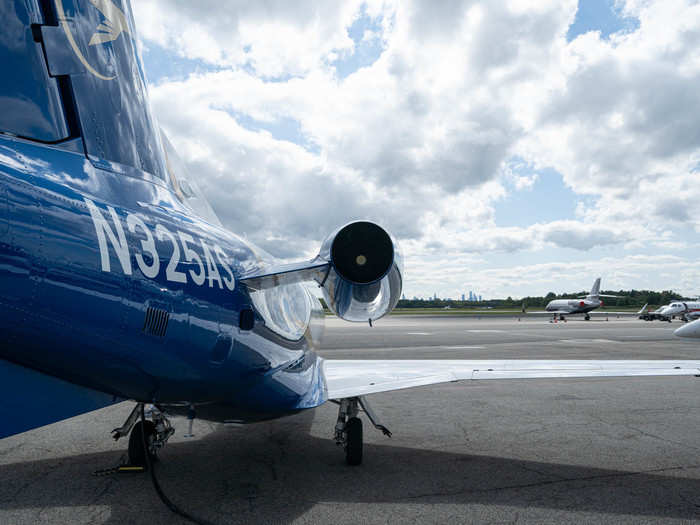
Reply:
x=686, y=310
x=583, y=305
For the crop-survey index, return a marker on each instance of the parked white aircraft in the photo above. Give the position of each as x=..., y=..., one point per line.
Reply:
x=582, y=305
x=686, y=310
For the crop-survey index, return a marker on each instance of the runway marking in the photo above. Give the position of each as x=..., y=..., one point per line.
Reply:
x=418, y=333
x=486, y=331
x=463, y=347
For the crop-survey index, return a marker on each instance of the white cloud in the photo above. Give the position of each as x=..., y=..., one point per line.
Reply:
x=275, y=38
x=424, y=138
x=447, y=277
x=623, y=126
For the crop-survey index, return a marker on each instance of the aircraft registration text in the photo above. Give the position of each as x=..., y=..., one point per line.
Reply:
x=148, y=260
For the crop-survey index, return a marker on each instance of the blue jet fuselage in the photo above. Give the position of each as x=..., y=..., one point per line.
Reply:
x=117, y=280
x=108, y=281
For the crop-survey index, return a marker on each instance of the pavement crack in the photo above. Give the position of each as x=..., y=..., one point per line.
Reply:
x=688, y=501
x=549, y=482
x=647, y=434
x=660, y=438
x=105, y=489
x=40, y=477
x=544, y=474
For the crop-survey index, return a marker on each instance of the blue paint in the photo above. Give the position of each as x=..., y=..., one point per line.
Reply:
x=43, y=400
x=30, y=101
x=108, y=88
x=63, y=315
x=600, y=15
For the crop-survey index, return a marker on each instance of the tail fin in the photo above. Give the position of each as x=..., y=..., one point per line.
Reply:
x=78, y=75
x=643, y=310
x=596, y=287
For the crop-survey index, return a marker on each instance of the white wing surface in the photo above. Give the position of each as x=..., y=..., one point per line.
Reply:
x=346, y=378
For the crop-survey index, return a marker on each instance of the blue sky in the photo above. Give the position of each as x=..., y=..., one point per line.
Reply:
x=600, y=15
x=367, y=48
x=548, y=199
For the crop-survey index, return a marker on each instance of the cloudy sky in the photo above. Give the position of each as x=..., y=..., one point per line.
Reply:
x=514, y=147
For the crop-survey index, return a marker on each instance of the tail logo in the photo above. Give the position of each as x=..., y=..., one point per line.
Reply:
x=113, y=25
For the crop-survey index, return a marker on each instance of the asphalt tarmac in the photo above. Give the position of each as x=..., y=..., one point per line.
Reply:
x=622, y=450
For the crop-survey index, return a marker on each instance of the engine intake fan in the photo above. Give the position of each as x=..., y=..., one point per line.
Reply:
x=364, y=277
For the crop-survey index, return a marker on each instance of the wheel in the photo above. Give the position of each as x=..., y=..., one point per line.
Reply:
x=137, y=457
x=353, y=441
x=587, y=318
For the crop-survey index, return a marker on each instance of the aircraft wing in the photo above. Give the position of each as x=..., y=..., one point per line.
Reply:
x=350, y=378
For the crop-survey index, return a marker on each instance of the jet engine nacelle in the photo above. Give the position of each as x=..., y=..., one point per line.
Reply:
x=364, y=277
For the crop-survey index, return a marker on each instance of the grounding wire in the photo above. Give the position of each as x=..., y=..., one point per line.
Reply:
x=174, y=508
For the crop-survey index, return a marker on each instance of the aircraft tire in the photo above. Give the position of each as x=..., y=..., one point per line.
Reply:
x=137, y=456
x=353, y=441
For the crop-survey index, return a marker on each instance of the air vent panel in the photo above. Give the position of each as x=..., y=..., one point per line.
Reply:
x=156, y=321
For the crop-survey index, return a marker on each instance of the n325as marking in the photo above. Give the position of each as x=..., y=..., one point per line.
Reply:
x=136, y=226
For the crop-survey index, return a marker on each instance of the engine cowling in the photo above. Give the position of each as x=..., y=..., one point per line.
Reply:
x=364, y=278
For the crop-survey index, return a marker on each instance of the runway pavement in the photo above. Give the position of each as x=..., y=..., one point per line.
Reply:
x=538, y=451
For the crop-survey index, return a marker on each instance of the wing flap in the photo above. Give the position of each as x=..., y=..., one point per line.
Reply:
x=349, y=378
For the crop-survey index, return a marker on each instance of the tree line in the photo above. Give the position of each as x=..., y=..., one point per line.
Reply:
x=626, y=298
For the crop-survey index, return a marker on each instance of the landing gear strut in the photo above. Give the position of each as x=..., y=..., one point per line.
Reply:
x=157, y=431
x=348, y=428
x=137, y=454
x=587, y=317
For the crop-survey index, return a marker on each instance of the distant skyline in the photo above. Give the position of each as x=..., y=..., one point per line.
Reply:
x=513, y=149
